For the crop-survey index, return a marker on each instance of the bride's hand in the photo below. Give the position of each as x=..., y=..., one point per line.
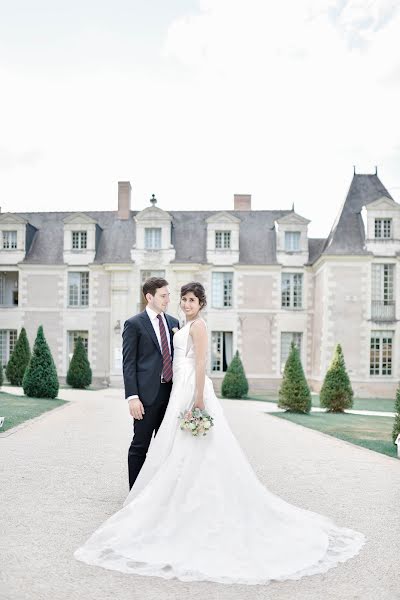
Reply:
x=199, y=403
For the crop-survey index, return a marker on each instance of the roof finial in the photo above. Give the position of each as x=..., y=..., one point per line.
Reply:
x=354, y=169
x=376, y=170
x=153, y=200
x=292, y=206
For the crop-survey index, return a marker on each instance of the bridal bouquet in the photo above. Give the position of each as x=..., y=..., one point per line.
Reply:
x=197, y=421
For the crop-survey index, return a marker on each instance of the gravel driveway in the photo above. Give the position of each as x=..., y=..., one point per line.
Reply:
x=65, y=472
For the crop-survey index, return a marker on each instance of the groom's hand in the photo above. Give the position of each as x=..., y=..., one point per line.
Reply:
x=136, y=408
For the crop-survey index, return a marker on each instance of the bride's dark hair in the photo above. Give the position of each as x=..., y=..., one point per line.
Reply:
x=197, y=289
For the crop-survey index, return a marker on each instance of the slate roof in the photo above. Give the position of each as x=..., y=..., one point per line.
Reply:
x=189, y=236
x=347, y=235
x=257, y=240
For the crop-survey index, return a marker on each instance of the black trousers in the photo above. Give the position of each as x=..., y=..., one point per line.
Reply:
x=143, y=431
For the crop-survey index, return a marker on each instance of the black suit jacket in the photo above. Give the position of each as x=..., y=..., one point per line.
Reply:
x=142, y=358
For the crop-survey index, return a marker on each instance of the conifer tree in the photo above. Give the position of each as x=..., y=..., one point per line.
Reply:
x=40, y=379
x=294, y=393
x=336, y=393
x=19, y=359
x=396, y=425
x=79, y=373
x=235, y=383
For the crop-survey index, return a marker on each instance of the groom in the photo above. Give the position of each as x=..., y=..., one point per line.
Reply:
x=147, y=365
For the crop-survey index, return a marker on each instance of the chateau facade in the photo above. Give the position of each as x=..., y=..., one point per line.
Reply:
x=268, y=283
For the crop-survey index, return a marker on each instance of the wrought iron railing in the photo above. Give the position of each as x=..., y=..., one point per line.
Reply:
x=383, y=310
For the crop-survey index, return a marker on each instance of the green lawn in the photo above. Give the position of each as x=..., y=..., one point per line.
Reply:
x=381, y=404
x=17, y=409
x=370, y=432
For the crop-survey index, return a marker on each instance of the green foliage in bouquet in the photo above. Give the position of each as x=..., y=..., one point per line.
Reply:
x=396, y=425
x=235, y=383
x=79, y=373
x=19, y=359
x=336, y=393
x=40, y=379
x=294, y=393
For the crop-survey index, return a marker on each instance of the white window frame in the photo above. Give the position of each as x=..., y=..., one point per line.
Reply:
x=10, y=240
x=383, y=229
x=78, y=289
x=219, y=343
x=222, y=289
x=152, y=238
x=287, y=337
x=292, y=291
x=292, y=241
x=79, y=240
x=223, y=240
x=8, y=339
x=381, y=363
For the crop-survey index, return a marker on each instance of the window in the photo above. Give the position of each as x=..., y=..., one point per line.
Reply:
x=152, y=238
x=292, y=290
x=287, y=337
x=222, y=287
x=221, y=350
x=79, y=240
x=383, y=229
x=78, y=289
x=8, y=339
x=292, y=240
x=380, y=358
x=72, y=339
x=143, y=276
x=383, y=302
x=9, y=240
x=9, y=289
x=222, y=239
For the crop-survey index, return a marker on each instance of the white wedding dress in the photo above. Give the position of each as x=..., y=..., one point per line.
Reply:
x=197, y=511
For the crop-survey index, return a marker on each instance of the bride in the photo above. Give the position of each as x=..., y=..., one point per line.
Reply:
x=197, y=511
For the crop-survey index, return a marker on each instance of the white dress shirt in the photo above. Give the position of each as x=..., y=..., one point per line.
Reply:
x=156, y=326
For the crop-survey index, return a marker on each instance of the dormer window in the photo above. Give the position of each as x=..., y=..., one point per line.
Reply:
x=292, y=241
x=9, y=240
x=383, y=229
x=152, y=238
x=222, y=240
x=79, y=240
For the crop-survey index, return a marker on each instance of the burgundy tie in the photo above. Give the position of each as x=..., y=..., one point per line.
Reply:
x=167, y=362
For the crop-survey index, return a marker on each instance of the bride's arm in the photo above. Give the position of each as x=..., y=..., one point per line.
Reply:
x=199, y=335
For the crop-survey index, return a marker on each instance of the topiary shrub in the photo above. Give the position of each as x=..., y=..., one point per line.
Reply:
x=40, y=379
x=79, y=373
x=396, y=425
x=336, y=393
x=294, y=393
x=19, y=360
x=235, y=383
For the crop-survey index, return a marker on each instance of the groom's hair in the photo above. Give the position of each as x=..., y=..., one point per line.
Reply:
x=152, y=284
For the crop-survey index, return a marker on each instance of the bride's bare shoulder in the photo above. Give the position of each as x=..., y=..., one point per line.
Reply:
x=198, y=326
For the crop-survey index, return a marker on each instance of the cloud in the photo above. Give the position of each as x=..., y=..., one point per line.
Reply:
x=13, y=160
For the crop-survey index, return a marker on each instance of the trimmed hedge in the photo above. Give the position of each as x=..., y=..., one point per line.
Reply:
x=396, y=425
x=294, y=393
x=235, y=383
x=336, y=393
x=40, y=379
x=19, y=360
x=79, y=373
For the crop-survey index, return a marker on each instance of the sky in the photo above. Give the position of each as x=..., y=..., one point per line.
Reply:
x=196, y=100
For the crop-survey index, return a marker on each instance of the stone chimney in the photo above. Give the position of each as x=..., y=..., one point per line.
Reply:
x=242, y=201
x=124, y=199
